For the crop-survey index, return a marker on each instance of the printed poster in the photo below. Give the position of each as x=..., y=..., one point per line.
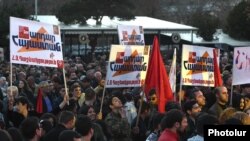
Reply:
x=127, y=66
x=131, y=35
x=197, y=66
x=241, y=66
x=35, y=43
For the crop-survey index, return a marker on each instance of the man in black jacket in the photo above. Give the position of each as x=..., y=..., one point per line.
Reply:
x=66, y=121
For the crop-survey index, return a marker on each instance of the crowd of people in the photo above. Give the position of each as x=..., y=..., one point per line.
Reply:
x=78, y=112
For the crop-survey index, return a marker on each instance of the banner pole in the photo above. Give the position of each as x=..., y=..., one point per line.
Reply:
x=65, y=84
x=180, y=91
x=142, y=97
x=139, y=111
x=11, y=74
x=103, y=94
x=231, y=96
x=104, y=86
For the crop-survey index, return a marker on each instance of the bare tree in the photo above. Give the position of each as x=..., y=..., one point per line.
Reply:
x=181, y=11
x=147, y=7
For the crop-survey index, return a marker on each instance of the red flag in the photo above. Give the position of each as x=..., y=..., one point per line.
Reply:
x=217, y=75
x=157, y=77
x=39, y=101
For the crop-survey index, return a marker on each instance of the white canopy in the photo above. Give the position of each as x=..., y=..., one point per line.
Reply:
x=219, y=38
x=109, y=26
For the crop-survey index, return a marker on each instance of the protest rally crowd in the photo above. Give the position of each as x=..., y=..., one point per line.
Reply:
x=35, y=106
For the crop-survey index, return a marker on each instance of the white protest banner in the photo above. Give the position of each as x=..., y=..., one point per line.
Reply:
x=131, y=35
x=35, y=43
x=127, y=66
x=172, y=73
x=197, y=66
x=241, y=66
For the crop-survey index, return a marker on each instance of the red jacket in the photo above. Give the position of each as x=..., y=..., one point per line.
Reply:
x=168, y=135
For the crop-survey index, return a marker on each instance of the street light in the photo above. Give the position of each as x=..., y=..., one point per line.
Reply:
x=35, y=9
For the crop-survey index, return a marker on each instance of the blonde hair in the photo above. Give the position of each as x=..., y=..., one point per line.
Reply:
x=14, y=90
x=243, y=117
x=43, y=84
x=227, y=114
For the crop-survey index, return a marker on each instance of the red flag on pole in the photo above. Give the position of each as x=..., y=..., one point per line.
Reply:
x=217, y=75
x=157, y=77
x=39, y=101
